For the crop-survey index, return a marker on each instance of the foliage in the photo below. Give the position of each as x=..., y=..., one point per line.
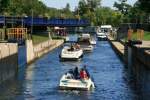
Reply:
x=106, y=15
x=88, y=9
x=122, y=6
x=29, y=7
x=144, y=5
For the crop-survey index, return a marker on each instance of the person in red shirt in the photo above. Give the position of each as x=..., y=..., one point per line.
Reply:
x=83, y=74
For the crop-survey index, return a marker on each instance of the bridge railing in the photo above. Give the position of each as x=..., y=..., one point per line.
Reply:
x=43, y=21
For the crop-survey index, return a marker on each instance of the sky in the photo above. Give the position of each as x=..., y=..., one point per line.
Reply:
x=74, y=3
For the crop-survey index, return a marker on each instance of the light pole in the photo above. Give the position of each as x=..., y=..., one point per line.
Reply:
x=32, y=24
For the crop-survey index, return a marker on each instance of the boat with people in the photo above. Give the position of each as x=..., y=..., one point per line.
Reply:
x=103, y=32
x=101, y=36
x=73, y=52
x=85, y=41
x=74, y=80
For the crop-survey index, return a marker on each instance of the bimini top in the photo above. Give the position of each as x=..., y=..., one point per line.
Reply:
x=85, y=36
x=106, y=26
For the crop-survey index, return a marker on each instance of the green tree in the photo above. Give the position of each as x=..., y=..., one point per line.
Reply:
x=4, y=5
x=144, y=5
x=122, y=6
x=106, y=15
x=87, y=8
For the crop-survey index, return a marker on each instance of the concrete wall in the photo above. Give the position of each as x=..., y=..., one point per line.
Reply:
x=2, y=34
x=36, y=51
x=8, y=60
x=141, y=69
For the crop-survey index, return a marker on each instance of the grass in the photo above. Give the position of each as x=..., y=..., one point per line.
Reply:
x=146, y=36
x=57, y=37
x=38, y=38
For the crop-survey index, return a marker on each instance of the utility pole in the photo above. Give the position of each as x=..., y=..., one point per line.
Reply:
x=32, y=24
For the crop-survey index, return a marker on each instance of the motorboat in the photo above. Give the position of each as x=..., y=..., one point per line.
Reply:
x=92, y=41
x=85, y=43
x=87, y=48
x=71, y=53
x=101, y=36
x=66, y=38
x=67, y=82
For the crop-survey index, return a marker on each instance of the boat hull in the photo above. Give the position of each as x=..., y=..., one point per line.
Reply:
x=73, y=84
x=70, y=59
x=67, y=54
x=102, y=38
x=72, y=88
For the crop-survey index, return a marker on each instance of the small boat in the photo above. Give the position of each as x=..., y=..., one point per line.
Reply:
x=67, y=82
x=101, y=36
x=85, y=42
x=87, y=48
x=67, y=38
x=92, y=41
x=71, y=53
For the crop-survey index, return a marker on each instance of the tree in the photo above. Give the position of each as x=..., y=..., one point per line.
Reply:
x=93, y=4
x=66, y=12
x=106, y=15
x=122, y=6
x=144, y=5
x=3, y=5
x=87, y=8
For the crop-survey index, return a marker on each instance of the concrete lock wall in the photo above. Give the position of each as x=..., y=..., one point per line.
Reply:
x=142, y=69
x=2, y=34
x=8, y=60
x=36, y=51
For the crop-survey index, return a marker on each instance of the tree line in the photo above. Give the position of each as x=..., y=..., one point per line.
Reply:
x=88, y=9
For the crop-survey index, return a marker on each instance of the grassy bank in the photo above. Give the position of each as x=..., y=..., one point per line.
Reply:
x=38, y=38
x=146, y=36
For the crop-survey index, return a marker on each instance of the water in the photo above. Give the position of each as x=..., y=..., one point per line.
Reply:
x=39, y=81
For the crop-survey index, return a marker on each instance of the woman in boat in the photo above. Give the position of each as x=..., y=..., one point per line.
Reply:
x=83, y=74
x=87, y=72
x=77, y=46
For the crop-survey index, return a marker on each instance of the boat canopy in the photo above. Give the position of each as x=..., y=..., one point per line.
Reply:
x=106, y=26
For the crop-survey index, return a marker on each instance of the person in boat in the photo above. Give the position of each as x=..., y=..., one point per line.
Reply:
x=77, y=46
x=69, y=74
x=72, y=48
x=76, y=73
x=87, y=72
x=83, y=74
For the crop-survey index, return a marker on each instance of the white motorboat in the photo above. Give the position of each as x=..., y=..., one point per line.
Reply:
x=71, y=53
x=87, y=48
x=93, y=42
x=101, y=36
x=67, y=38
x=67, y=82
x=85, y=42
